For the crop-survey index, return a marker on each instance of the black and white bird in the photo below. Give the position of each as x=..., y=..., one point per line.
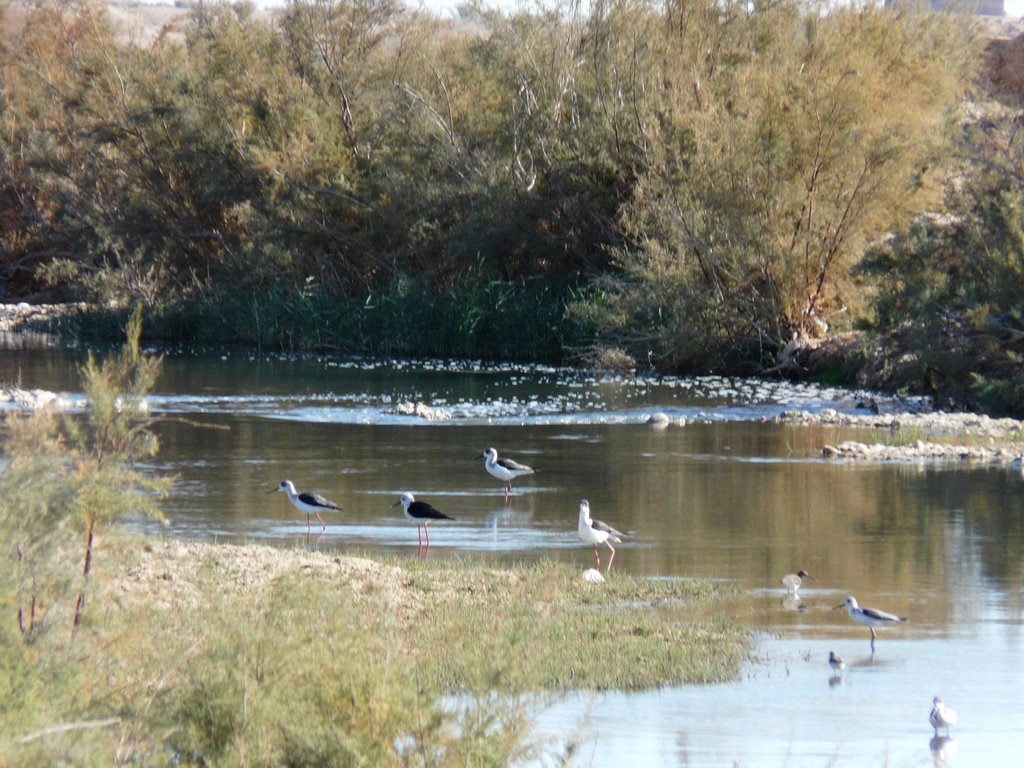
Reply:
x=309, y=503
x=869, y=617
x=422, y=514
x=793, y=581
x=505, y=470
x=595, y=533
x=941, y=716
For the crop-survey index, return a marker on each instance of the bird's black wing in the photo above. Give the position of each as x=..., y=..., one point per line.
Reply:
x=601, y=526
x=874, y=613
x=316, y=500
x=423, y=511
x=513, y=466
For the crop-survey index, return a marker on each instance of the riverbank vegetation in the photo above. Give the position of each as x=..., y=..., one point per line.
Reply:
x=690, y=185
x=171, y=653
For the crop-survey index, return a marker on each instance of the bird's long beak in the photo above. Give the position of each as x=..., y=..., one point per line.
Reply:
x=275, y=490
x=392, y=506
x=841, y=605
x=811, y=577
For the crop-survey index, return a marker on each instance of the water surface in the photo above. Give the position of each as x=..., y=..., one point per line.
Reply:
x=732, y=496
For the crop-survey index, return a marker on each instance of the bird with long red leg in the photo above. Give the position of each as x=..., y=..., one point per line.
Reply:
x=309, y=503
x=505, y=470
x=595, y=533
x=422, y=514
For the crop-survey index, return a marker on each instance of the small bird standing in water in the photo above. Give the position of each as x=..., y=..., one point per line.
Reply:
x=596, y=533
x=309, y=503
x=837, y=664
x=793, y=581
x=941, y=716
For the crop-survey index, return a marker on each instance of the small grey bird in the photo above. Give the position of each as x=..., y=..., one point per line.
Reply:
x=941, y=716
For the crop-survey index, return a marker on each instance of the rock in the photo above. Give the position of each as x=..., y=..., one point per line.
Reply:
x=659, y=420
x=420, y=410
x=34, y=399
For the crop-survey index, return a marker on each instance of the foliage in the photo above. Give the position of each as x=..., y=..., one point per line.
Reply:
x=67, y=475
x=691, y=183
x=403, y=662
x=952, y=287
x=770, y=163
x=36, y=492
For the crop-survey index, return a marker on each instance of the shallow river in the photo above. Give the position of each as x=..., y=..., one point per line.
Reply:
x=731, y=496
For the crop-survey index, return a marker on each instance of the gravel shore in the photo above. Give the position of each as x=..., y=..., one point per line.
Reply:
x=938, y=436
x=915, y=435
x=29, y=326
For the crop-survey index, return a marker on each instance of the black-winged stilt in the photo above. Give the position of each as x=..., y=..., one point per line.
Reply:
x=595, y=533
x=505, y=470
x=420, y=513
x=309, y=503
x=869, y=617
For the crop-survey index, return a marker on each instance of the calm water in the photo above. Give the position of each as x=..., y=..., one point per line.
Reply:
x=728, y=497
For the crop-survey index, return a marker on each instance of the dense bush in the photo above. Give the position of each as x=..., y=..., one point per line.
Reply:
x=951, y=287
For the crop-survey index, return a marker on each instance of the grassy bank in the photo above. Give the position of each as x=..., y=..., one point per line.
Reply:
x=218, y=654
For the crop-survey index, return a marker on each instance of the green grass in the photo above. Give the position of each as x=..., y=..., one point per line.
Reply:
x=542, y=627
x=226, y=655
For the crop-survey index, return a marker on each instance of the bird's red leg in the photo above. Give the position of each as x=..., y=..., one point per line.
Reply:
x=613, y=555
x=597, y=557
x=322, y=524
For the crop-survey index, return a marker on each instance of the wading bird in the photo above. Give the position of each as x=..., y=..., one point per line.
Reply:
x=869, y=617
x=422, y=514
x=505, y=470
x=310, y=503
x=595, y=532
x=941, y=716
x=792, y=581
x=837, y=664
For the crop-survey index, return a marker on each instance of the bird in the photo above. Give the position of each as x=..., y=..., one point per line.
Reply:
x=420, y=513
x=504, y=469
x=310, y=503
x=869, y=617
x=941, y=716
x=792, y=581
x=596, y=533
x=837, y=664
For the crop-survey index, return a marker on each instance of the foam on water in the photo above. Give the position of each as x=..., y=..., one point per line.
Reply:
x=475, y=393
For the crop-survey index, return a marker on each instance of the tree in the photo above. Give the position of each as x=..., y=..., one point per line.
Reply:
x=783, y=140
x=68, y=475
